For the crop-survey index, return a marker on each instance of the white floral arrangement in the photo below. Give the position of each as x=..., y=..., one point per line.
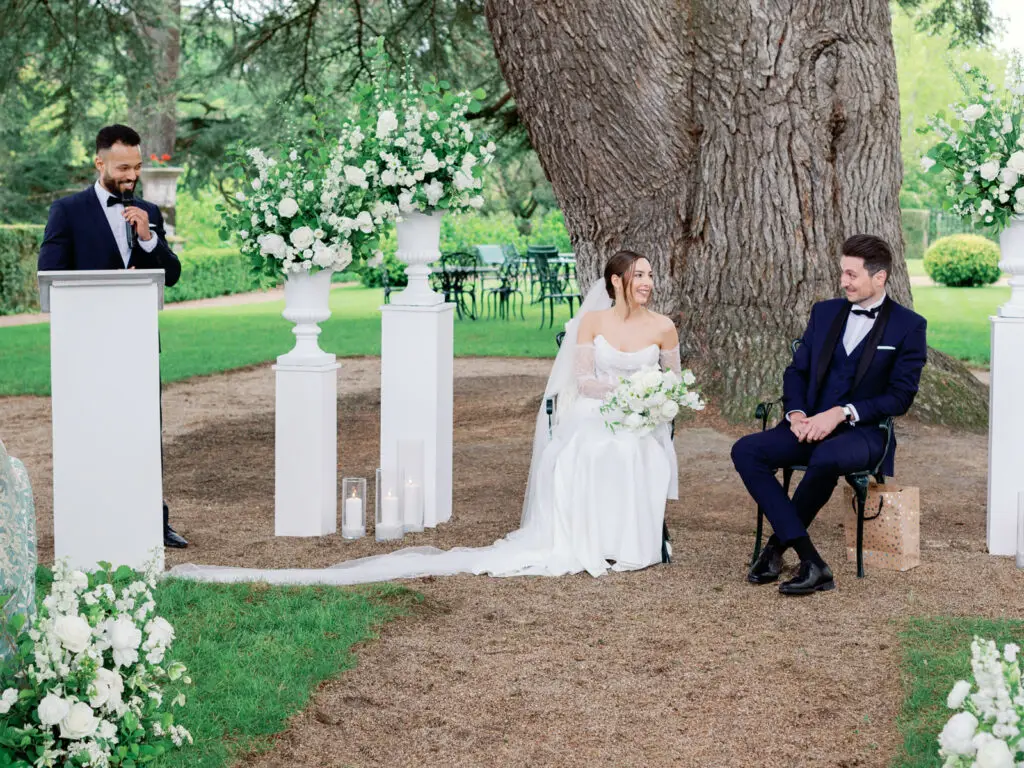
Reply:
x=86, y=686
x=649, y=398
x=986, y=731
x=302, y=212
x=984, y=154
x=420, y=151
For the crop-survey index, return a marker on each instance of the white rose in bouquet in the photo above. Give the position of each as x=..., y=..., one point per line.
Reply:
x=302, y=238
x=160, y=632
x=989, y=170
x=1016, y=162
x=272, y=245
x=633, y=421
x=73, y=632
x=658, y=398
x=434, y=192
x=106, y=689
x=79, y=722
x=388, y=178
x=972, y=113
x=124, y=640
x=688, y=378
x=650, y=378
x=430, y=163
x=669, y=410
x=364, y=222
x=958, y=733
x=287, y=207
x=52, y=709
x=355, y=176
x=387, y=122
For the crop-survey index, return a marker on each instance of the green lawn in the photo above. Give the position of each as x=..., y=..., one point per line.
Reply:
x=937, y=653
x=203, y=341
x=915, y=267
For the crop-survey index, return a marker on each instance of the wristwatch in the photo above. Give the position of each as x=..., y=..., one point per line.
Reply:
x=848, y=413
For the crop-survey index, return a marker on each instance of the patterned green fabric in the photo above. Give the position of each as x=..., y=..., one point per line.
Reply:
x=17, y=545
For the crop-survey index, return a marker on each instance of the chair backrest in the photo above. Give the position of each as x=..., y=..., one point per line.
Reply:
x=491, y=255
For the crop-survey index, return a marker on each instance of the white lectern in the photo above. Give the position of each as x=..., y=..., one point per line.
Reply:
x=105, y=384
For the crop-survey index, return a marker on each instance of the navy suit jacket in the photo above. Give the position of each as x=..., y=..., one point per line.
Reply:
x=78, y=237
x=887, y=375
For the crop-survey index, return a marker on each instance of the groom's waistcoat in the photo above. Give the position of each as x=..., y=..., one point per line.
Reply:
x=842, y=370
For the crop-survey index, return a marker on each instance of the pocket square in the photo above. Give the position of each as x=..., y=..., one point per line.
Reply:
x=880, y=348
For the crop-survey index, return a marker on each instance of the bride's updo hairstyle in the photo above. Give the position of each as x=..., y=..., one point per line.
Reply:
x=621, y=264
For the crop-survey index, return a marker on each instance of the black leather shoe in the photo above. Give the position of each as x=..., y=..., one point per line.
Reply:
x=173, y=539
x=809, y=579
x=767, y=567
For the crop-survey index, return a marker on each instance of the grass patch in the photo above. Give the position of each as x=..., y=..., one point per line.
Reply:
x=958, y=319
x=256, y=653
x=937, y=653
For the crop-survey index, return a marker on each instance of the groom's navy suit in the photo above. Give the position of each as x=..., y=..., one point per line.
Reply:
x=878, y=378
x=78, y=236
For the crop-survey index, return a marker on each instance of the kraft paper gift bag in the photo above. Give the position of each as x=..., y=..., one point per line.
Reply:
x=892, y=527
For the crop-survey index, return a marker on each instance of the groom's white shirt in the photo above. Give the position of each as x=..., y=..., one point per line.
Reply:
x=115, y=219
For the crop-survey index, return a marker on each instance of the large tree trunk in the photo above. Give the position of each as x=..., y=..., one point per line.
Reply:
x=735, y=144
x=155, y=97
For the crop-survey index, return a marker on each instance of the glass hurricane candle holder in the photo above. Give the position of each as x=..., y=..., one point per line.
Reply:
x=388, y=513
x=353, y=507
x=410, y=474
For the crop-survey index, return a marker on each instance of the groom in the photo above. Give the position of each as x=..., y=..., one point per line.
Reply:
x=105, y=227
x=859, y=361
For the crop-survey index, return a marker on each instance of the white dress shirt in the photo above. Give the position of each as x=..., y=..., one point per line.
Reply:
x=115, y=218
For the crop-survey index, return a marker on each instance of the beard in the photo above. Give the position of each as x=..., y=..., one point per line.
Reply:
x=114, y=187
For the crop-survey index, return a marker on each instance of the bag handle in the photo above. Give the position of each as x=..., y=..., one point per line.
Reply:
x=881, y=503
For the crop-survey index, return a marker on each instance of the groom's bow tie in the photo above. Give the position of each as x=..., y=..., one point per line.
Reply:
x=869, y=313
x=112, y=200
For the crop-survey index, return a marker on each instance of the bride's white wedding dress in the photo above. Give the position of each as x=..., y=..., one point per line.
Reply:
x=593, y=496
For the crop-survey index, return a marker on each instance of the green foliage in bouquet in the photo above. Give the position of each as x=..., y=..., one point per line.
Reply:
x=962, y=261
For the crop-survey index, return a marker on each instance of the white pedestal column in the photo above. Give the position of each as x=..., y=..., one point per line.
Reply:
x=105, y=382
x=1006, y=434
x=416, y=396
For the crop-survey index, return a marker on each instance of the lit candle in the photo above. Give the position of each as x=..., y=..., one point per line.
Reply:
x=353, y=517
x=412, y=504
x=389, y=510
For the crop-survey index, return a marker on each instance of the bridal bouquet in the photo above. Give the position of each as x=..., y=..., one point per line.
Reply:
x=648, y=398
x=86, y=686
x=303, y=212
x=984, y=154
x=987, y=729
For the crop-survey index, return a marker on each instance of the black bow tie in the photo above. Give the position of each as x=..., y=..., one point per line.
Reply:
x=115, y=200
x=869, y=313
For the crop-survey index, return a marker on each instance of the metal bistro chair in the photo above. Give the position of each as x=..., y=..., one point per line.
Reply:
x=502, y=298
x=457, y=280
x=554, y=286
x=549, y=408
x=385, y=281
x=859, y=481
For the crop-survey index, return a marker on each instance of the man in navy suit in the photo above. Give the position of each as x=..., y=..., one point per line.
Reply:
x=105, y=227
x=859, y=361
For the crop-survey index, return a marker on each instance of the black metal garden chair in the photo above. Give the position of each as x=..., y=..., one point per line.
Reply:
x=859, y=481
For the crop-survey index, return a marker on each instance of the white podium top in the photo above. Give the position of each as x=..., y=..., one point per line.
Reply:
x=99, y=277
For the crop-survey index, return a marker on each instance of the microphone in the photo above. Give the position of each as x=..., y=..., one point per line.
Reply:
x=128, y=198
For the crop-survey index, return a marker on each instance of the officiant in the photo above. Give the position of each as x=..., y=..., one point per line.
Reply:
x=106, y=227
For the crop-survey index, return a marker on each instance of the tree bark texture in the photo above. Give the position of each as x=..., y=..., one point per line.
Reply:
x=155, y=97
x=736, y=145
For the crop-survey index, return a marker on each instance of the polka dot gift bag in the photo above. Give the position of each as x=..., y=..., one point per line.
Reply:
x=892, y=527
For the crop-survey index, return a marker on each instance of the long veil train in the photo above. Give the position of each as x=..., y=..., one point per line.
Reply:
x=527, y=551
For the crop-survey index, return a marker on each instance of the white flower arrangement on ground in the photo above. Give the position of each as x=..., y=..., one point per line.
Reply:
x=649, y=398
x=986, y=731
x=419, y=151
x=984, y=155
x=303, y=212
x=86, y=685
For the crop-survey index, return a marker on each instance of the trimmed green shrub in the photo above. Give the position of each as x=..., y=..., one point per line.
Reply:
x=19, y=255
x=209, y=272
x=961, y=261
x=915, y=231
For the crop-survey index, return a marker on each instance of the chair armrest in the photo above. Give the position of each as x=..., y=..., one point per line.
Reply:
x=886, y=426
x=764, y=411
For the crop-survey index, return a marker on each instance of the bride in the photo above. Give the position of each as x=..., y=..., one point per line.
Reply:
x=595, y=500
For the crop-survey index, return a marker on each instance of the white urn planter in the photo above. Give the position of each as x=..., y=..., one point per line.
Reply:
x=160, y=184
x=419, y=240
x=306, y=303
x=1011, y=246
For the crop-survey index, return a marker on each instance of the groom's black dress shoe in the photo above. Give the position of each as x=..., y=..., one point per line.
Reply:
x=767, y=567
x=173, y=539
x=811, y=578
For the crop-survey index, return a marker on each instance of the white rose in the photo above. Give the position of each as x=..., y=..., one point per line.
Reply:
x=107, y=730
x=468, y=161
x=1009, y=177
x=688, y=378
x=79, y=580
x=271, y=245
x=658, y=398
x=434, y=192
x=364, y=221
x=989, y=170
x=386, y=123
x=301, y=238
x=985, y=207
x=1019, y=195
x=430, y=163
x=160, y=633
x=669, y=409
x=959, y=693
x=288, y=207
x=957, y=734
x=995, y=754
x=124, y=640
x=106, y=688
x=972, y=113
x=73, y=632
x=633, y=421
x=1016, y=162
x=926, y=163
x=323, y=255
x=8, y=700
x=463, y=180
x=355, y=176
x=405, y=202
x=79, y=722
x=693, y=401
x=650, y=378
x=388, y=178
x=271, y=219
x=52, y=709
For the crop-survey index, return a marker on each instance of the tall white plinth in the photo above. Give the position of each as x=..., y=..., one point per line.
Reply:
x=306, y=447
x=417, y=395
x=1006, y=434
x=105, y=384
